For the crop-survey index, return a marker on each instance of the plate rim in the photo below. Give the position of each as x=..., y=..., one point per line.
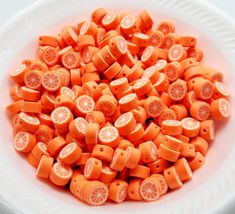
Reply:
x=228, y=200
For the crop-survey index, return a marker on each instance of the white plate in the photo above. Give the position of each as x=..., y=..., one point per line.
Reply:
x=212, y=187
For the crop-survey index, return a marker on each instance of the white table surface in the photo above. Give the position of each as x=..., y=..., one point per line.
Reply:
x=10, y=7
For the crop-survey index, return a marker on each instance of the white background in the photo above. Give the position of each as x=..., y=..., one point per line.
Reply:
x=9, y=8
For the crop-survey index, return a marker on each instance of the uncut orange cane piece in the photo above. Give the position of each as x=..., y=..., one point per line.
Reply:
x=77, y=90
x=133, y=189
x=118, y=190
x=197, y=161
x=158, y=165
x=148, y=151
x=172, y=178
x=140, y=171
x=60, y=174
x=191, y=127
x=189, y=63
x=44, y=167
x=24, y=142
x=103, y=152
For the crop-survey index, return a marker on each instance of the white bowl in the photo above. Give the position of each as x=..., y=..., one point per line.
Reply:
x=212, y=188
